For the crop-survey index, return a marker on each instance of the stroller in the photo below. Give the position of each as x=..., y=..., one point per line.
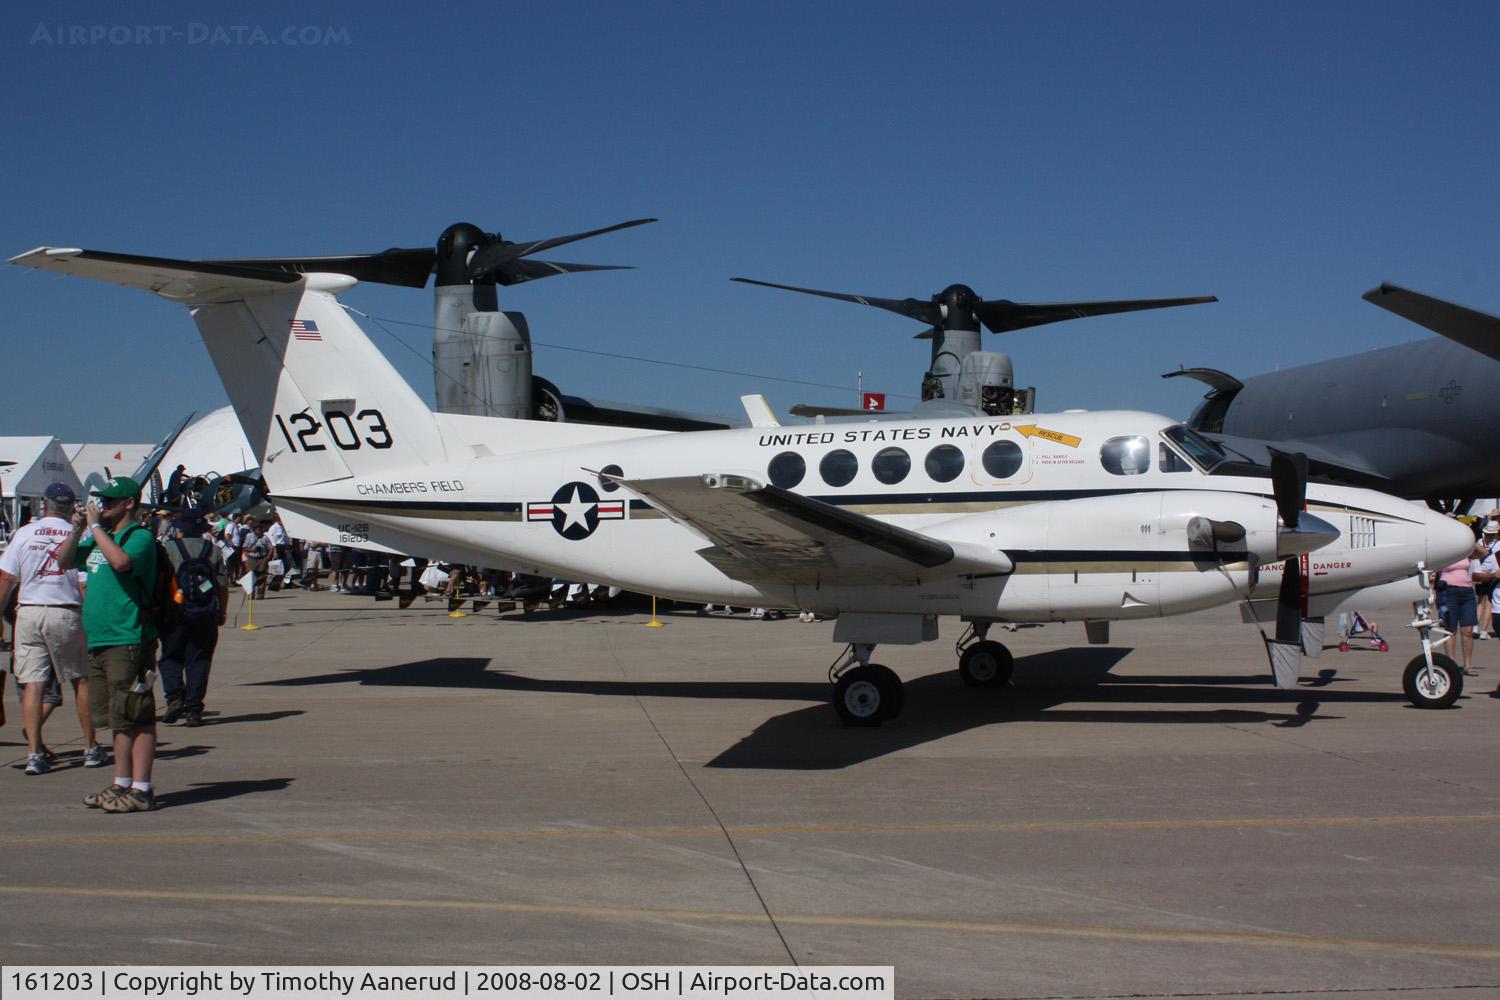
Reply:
x=1359, y=627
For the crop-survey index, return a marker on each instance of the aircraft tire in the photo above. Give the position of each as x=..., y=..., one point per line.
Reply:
x=1449, y=682
x=986, y=664
x=867, y=696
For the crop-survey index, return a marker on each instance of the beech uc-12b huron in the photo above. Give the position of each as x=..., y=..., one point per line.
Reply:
x=885, y=526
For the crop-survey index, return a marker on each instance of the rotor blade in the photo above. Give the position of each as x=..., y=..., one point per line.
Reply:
x=1001, y=315
x=488, y=258
x=1289, y=484
x=517, y=271
x=408, y=266
x=923, y=312
x=1289, y=603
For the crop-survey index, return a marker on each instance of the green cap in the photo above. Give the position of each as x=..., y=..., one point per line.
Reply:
x=120, y=487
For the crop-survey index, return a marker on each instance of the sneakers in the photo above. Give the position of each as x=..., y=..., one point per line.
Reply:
x=129, y=801
x=173, y=712
x=97, y=799
x=95, y=757
x=38, y=763
x=193, y=720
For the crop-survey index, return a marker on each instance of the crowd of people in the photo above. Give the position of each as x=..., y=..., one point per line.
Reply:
x=1468, y=593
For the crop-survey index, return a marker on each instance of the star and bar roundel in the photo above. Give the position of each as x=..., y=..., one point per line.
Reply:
x=575, y=510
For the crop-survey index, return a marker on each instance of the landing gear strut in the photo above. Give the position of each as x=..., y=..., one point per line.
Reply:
x=982, y=663
x=1431, y=680
x=864, y=693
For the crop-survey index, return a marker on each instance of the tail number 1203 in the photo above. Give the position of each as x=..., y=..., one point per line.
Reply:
x=346, y=435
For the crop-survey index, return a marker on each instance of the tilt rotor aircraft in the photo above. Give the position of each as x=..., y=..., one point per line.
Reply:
x=884, y=526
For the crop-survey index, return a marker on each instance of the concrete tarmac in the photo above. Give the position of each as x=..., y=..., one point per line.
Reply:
x=1147, y=818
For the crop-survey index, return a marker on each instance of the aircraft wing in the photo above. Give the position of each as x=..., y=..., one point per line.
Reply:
x=1475, y=330
x=768, y=535
x=1322, y=461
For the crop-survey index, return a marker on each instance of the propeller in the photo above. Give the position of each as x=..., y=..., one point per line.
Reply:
x=464, y=253
x=957, y=307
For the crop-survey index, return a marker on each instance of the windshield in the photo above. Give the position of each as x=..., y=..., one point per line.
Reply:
x=1204, y=453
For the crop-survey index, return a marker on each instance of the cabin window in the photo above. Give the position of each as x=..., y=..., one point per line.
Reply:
x=787, y=469
x=891, y=465
x=1002, y=459
x=838, y=467
x=944, y=463
x=610, y=470
x=1169, y=461
x=1126, y=456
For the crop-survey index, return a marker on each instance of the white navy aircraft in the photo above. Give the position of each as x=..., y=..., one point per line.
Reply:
x=885, y=525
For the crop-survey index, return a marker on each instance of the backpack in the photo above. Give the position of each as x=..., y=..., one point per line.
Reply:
x=158, y=605
x=195, y=588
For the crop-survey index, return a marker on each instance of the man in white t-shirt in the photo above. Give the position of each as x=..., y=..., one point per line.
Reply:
x=49, y=626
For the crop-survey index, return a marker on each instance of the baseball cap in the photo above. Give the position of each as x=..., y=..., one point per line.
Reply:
x=61, y=492
x=118, y=488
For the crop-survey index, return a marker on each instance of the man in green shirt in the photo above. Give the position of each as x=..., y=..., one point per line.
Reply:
x=120, y=558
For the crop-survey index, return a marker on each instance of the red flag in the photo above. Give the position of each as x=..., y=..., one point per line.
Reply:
x=873, y=401
x=118, y=458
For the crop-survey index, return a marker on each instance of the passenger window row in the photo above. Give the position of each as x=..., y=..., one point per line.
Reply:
x=944, y=463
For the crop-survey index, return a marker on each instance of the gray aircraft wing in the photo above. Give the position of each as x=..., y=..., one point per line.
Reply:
x=1475, y=330
x=767, y=535
x=1323, y=461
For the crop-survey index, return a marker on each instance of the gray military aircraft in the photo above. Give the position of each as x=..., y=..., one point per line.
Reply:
x=482, y=363
x=962, y=379
x=1416, y=420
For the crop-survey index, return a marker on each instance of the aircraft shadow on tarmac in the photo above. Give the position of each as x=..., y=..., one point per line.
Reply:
x=1064, y=685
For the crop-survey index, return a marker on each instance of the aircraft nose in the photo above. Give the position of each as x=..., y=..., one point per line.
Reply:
x=1447, y=540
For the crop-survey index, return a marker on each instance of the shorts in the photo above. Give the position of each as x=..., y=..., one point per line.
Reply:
x=113, y=670
x=1460, y=610
x=49, y=641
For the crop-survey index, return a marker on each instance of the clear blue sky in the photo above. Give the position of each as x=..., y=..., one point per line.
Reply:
x=1285, y=157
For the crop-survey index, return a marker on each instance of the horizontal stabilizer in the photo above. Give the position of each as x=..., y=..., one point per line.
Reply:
x=1475, y=330
x=178, y=280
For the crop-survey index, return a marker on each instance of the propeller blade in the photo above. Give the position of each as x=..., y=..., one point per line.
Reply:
x=923, y=312
x=518, y=271
x=406, y=266
x=488, y=258
x=1002, y=314
x=1289, y=484
x=1289, y=603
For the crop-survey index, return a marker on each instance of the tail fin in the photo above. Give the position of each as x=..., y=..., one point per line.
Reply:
x=316, y=400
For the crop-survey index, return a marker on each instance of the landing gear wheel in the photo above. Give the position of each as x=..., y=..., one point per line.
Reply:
x=986, y=664
x=868, y=695
x=1439, y=690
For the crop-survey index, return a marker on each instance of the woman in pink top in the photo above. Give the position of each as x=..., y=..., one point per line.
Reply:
x=1460, y=609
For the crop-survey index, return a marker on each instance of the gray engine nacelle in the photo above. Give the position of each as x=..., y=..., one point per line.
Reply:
x=987, y=379
x=482, y=363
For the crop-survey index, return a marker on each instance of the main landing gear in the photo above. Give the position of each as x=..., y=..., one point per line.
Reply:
x=864, y=693
x=982, y=663
x=867, y=694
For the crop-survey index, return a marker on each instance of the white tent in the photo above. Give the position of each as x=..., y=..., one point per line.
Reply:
x=39, y=462
x=94, y=463
x=214, y=443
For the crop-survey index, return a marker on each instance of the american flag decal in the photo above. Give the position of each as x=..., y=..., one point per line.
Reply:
x=305, y=329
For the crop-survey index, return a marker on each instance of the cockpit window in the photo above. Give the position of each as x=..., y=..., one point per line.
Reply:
x=1126, y=456
x=1201, y=450
x=1168, y=460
